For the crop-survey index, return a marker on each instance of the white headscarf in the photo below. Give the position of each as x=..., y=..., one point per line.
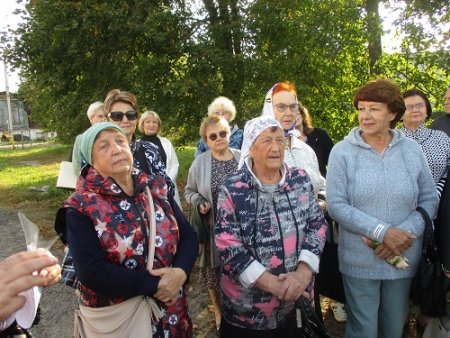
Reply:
x=252, y=130
x=268, y=111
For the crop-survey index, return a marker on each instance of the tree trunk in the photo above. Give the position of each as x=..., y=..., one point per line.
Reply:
x=374, y=30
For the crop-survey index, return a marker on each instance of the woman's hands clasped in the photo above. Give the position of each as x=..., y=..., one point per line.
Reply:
x=396, y=241
x=172, y=280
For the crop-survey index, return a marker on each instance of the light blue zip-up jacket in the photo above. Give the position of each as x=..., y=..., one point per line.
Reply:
x=368, y=193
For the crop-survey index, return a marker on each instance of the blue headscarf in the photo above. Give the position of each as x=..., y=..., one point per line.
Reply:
x=89, y=137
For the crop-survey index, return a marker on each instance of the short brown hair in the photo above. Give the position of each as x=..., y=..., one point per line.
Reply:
x=117, y=95
x=209, y=121
x=382, y=91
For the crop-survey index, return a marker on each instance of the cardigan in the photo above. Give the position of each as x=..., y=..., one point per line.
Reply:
x=368, y=193
x=198, y=187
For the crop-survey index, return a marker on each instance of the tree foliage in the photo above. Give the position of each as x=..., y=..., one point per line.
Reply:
x=177, y=55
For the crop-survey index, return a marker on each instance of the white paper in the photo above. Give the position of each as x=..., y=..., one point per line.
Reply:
x=66, y=177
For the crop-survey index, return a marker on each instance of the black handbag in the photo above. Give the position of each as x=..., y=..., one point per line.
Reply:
x=428, y=286
x=328, y=281
x=309, y=324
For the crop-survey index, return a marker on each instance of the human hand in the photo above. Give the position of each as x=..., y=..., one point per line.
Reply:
x=382, y=251
x=296, y=282
x=204, y=207
x=172, y=280
x=398, y=240
x=16, y=276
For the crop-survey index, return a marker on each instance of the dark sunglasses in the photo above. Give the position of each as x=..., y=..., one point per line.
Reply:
x=118, y=115
x=222, y=134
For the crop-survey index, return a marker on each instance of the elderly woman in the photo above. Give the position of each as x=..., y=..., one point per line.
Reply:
x=435, y=144
x=150, y=125
x=222, y=106
x=376, y=178
x=270, y=232
x=120, y=225
x=121, y=109
x=206, y=175
x=281, y=102
x=95, y=114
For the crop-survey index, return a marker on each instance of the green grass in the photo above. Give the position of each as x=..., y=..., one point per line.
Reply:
x=36, y=166
x=185, y=156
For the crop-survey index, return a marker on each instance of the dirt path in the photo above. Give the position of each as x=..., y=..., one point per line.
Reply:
x=59, y=302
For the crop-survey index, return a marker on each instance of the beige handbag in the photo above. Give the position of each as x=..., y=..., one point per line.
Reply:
x=129, y=319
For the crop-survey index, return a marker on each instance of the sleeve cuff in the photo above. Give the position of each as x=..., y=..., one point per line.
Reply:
x=251, y=274
x=311, y=259
x=379, y=232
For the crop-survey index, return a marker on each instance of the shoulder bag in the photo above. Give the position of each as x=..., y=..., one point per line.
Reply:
x=129, y=319
x=428, y=286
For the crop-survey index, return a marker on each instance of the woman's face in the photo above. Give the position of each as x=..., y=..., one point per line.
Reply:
x=111, y=154
x=98, y=116
x=374, y=117
x=416, y=111
x=221, y=111
x=285, y=107
x=217, y=137
x=267, y=151
x=128, y=126
x=150, y=125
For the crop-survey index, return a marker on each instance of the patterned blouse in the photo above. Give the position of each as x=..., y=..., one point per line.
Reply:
x=435, y=145
x=220, y=170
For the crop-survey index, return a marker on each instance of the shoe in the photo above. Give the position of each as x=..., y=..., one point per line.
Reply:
x=338, y=312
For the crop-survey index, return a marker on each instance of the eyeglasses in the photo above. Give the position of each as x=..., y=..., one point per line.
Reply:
x=417, y=106
x=221, y=112
x=222, y=134
x=118, y=115
x=281, y=107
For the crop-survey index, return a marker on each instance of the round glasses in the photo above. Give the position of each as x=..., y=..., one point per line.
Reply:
x=118, y=115
x=222, y=134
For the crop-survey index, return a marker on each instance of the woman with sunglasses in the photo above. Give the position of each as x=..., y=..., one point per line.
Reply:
x=121, y=109
x=223, y=106
x=206, y=175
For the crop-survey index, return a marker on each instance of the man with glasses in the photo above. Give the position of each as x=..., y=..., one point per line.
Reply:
x=443, y=123
x=223, y=106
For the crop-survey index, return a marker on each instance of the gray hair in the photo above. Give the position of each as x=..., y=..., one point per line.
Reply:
x=226, y=103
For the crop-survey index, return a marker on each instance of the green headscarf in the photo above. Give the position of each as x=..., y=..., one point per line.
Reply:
x=89, y=137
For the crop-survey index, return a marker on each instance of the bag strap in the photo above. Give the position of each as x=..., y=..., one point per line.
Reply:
x=151, y=241
x=429, y=248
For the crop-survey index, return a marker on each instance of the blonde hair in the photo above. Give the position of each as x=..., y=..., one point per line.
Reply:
x=145, y=116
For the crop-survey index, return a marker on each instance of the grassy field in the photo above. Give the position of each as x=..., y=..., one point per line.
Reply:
x=22, y=168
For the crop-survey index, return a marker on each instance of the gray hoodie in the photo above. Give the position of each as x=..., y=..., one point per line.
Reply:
x=368, y=193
